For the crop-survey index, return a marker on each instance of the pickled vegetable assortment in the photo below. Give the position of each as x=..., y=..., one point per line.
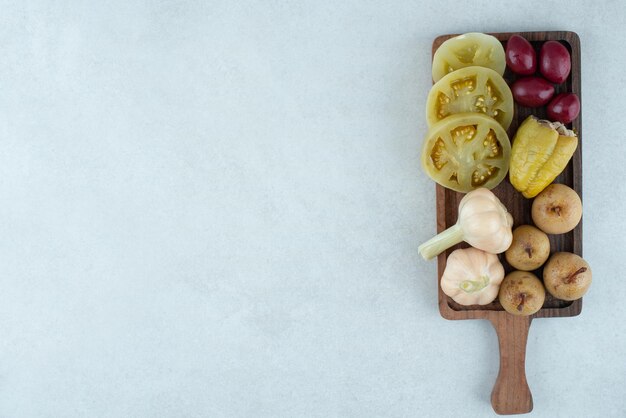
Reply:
x=467, y=149
x=464, y=149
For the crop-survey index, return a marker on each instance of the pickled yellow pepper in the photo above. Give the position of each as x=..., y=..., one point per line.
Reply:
x=540, y=152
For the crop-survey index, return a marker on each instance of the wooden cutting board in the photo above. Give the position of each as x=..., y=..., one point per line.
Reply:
x=511, y=394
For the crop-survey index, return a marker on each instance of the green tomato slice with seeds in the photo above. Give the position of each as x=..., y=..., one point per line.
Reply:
x=470, y=89
x=467, y=50
x=466, y=151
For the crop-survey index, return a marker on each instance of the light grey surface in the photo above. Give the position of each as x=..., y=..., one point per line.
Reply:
x=213, y=209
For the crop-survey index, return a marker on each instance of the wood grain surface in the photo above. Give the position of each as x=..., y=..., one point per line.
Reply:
x=511, y=394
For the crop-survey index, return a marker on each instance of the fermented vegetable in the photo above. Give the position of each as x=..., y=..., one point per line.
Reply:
x=541, y=151
x=466, y=151
x=472, y=276
x=467, y=50
x=471, y=89
x=483, y=222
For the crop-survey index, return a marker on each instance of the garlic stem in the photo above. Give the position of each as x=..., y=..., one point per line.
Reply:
x=441, y=242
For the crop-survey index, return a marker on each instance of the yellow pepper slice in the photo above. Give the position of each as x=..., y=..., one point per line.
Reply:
x=540, y=152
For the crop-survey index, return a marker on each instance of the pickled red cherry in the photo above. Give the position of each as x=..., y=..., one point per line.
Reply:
x=532, y=91
x=554, y=61
x=564, y=108
x=520, y=56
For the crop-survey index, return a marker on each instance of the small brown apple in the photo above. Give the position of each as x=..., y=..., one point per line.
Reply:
x=530, y=248
x=521, y=293
x=567, y=276
x=557, y=209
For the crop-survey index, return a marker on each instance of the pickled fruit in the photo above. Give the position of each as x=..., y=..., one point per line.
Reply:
x=554, y=61
x=532, y=91
x=520, y=56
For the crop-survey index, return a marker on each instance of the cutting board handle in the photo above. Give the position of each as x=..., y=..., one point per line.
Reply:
x=511, y=394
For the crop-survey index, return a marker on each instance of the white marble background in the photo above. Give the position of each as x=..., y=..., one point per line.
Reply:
x=213, y=208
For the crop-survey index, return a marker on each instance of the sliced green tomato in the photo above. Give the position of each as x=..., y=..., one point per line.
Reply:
x=467, y=50
x=466, y=151
x=471, y=89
